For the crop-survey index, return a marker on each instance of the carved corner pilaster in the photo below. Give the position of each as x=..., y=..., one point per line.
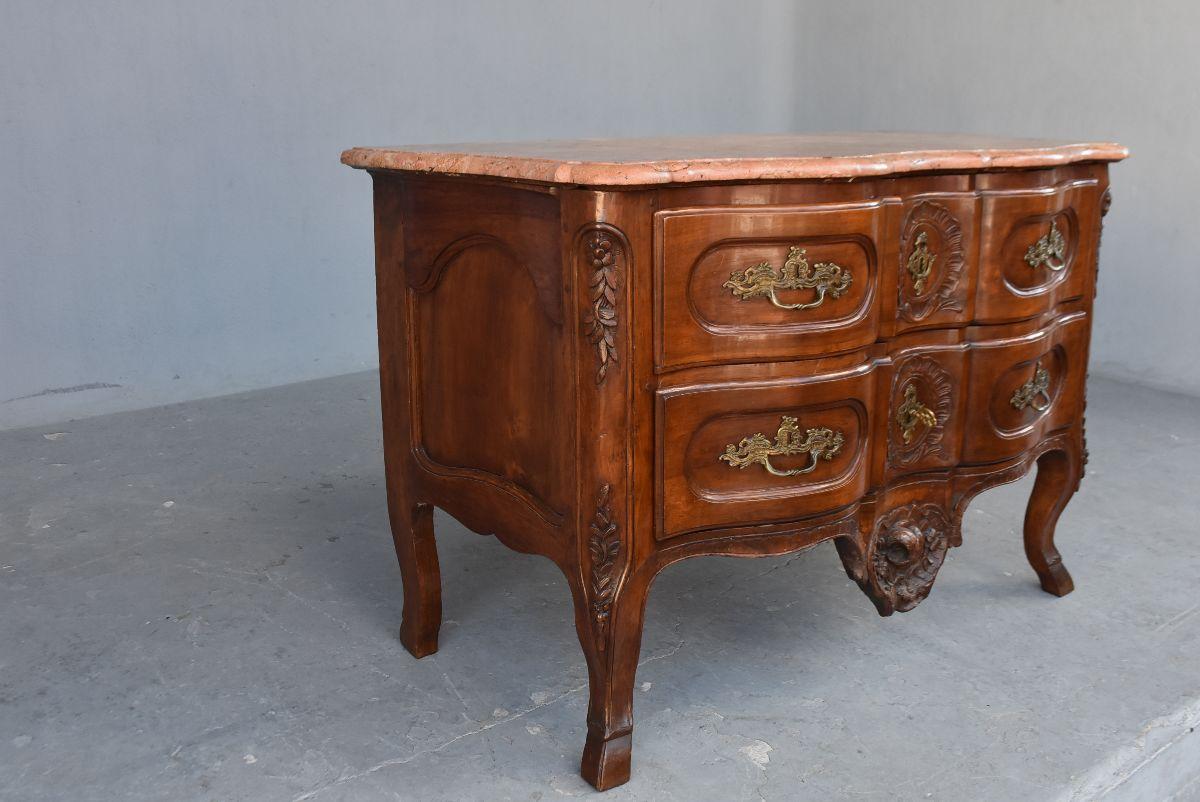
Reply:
x=902, y=556
x=604, y=548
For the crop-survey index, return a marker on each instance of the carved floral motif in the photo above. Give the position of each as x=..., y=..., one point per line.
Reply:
x=602, y=251
x=604, y=546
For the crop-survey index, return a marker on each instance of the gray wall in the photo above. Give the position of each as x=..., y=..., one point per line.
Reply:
x=173, y=216
x=174, y=221
x=1093, y=69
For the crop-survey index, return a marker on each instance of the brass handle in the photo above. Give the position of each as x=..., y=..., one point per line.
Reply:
x=1029, y=393
x=826, y=278
x=1050, y=250
x=819, y=444
x=912, y=413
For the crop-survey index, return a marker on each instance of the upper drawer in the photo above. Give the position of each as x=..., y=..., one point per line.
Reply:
x=1038, y=249
x=748, y=284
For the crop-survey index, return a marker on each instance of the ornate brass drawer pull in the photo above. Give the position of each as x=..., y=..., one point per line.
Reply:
x=1050, y=250
x=912, y=413
x=1035, y=392
x=826, y=278
x=819, y=444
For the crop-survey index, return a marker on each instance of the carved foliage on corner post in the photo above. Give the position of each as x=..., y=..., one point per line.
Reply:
x=603, y=258
x=902, y=558
x=604, y=547
x=1105, y=204
x=604, y=251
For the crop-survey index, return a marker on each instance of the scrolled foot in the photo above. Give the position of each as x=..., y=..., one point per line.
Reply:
x=421, y=641
x=1056, y=580
x=606, y=762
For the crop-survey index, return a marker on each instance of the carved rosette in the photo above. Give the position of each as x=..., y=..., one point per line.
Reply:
x=935, y=390
x=604, y=546
x=931, y=262
x=904, y=554
x=603, y=252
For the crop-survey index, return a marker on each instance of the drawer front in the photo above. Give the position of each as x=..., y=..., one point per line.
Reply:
x=748, y=453
x=1023, y=388
x=1038, y=249
x=748, y=284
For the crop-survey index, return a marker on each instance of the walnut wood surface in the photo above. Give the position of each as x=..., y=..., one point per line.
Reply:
x=564, y=367
x=744, y=157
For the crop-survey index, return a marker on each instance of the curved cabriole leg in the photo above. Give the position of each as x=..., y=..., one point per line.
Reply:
x=1057, y=479
x=610, y=632
x=412, y=531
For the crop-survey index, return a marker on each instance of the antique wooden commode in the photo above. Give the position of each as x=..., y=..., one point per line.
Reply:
x=618, y=354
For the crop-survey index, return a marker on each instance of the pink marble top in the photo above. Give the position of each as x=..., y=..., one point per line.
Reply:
x=741, y=157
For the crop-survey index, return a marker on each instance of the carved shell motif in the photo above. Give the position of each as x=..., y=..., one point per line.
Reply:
x=904, y=554
x=935, y=390
x=930, y=267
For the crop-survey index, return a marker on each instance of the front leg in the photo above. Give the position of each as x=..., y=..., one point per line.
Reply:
x=1057, y=480
x=608, y=619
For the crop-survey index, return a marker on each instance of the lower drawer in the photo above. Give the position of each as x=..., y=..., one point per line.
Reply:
x=761, y=452
x=1021, y=388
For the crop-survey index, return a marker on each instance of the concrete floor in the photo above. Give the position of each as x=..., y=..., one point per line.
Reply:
x=200, y=602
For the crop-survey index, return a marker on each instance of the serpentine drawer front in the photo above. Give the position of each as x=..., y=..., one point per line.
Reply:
x=619, y=354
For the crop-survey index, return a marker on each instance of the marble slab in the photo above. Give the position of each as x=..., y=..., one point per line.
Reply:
x=758, y=157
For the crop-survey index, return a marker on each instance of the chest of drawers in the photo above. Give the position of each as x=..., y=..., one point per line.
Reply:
x=619, y=354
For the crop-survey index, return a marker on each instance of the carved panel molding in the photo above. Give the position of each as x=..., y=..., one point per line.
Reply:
x=930, y=273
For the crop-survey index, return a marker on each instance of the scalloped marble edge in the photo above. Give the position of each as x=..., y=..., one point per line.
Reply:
x=738, y=168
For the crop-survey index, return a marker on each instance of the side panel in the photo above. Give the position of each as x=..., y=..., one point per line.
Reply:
x=475, y=354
